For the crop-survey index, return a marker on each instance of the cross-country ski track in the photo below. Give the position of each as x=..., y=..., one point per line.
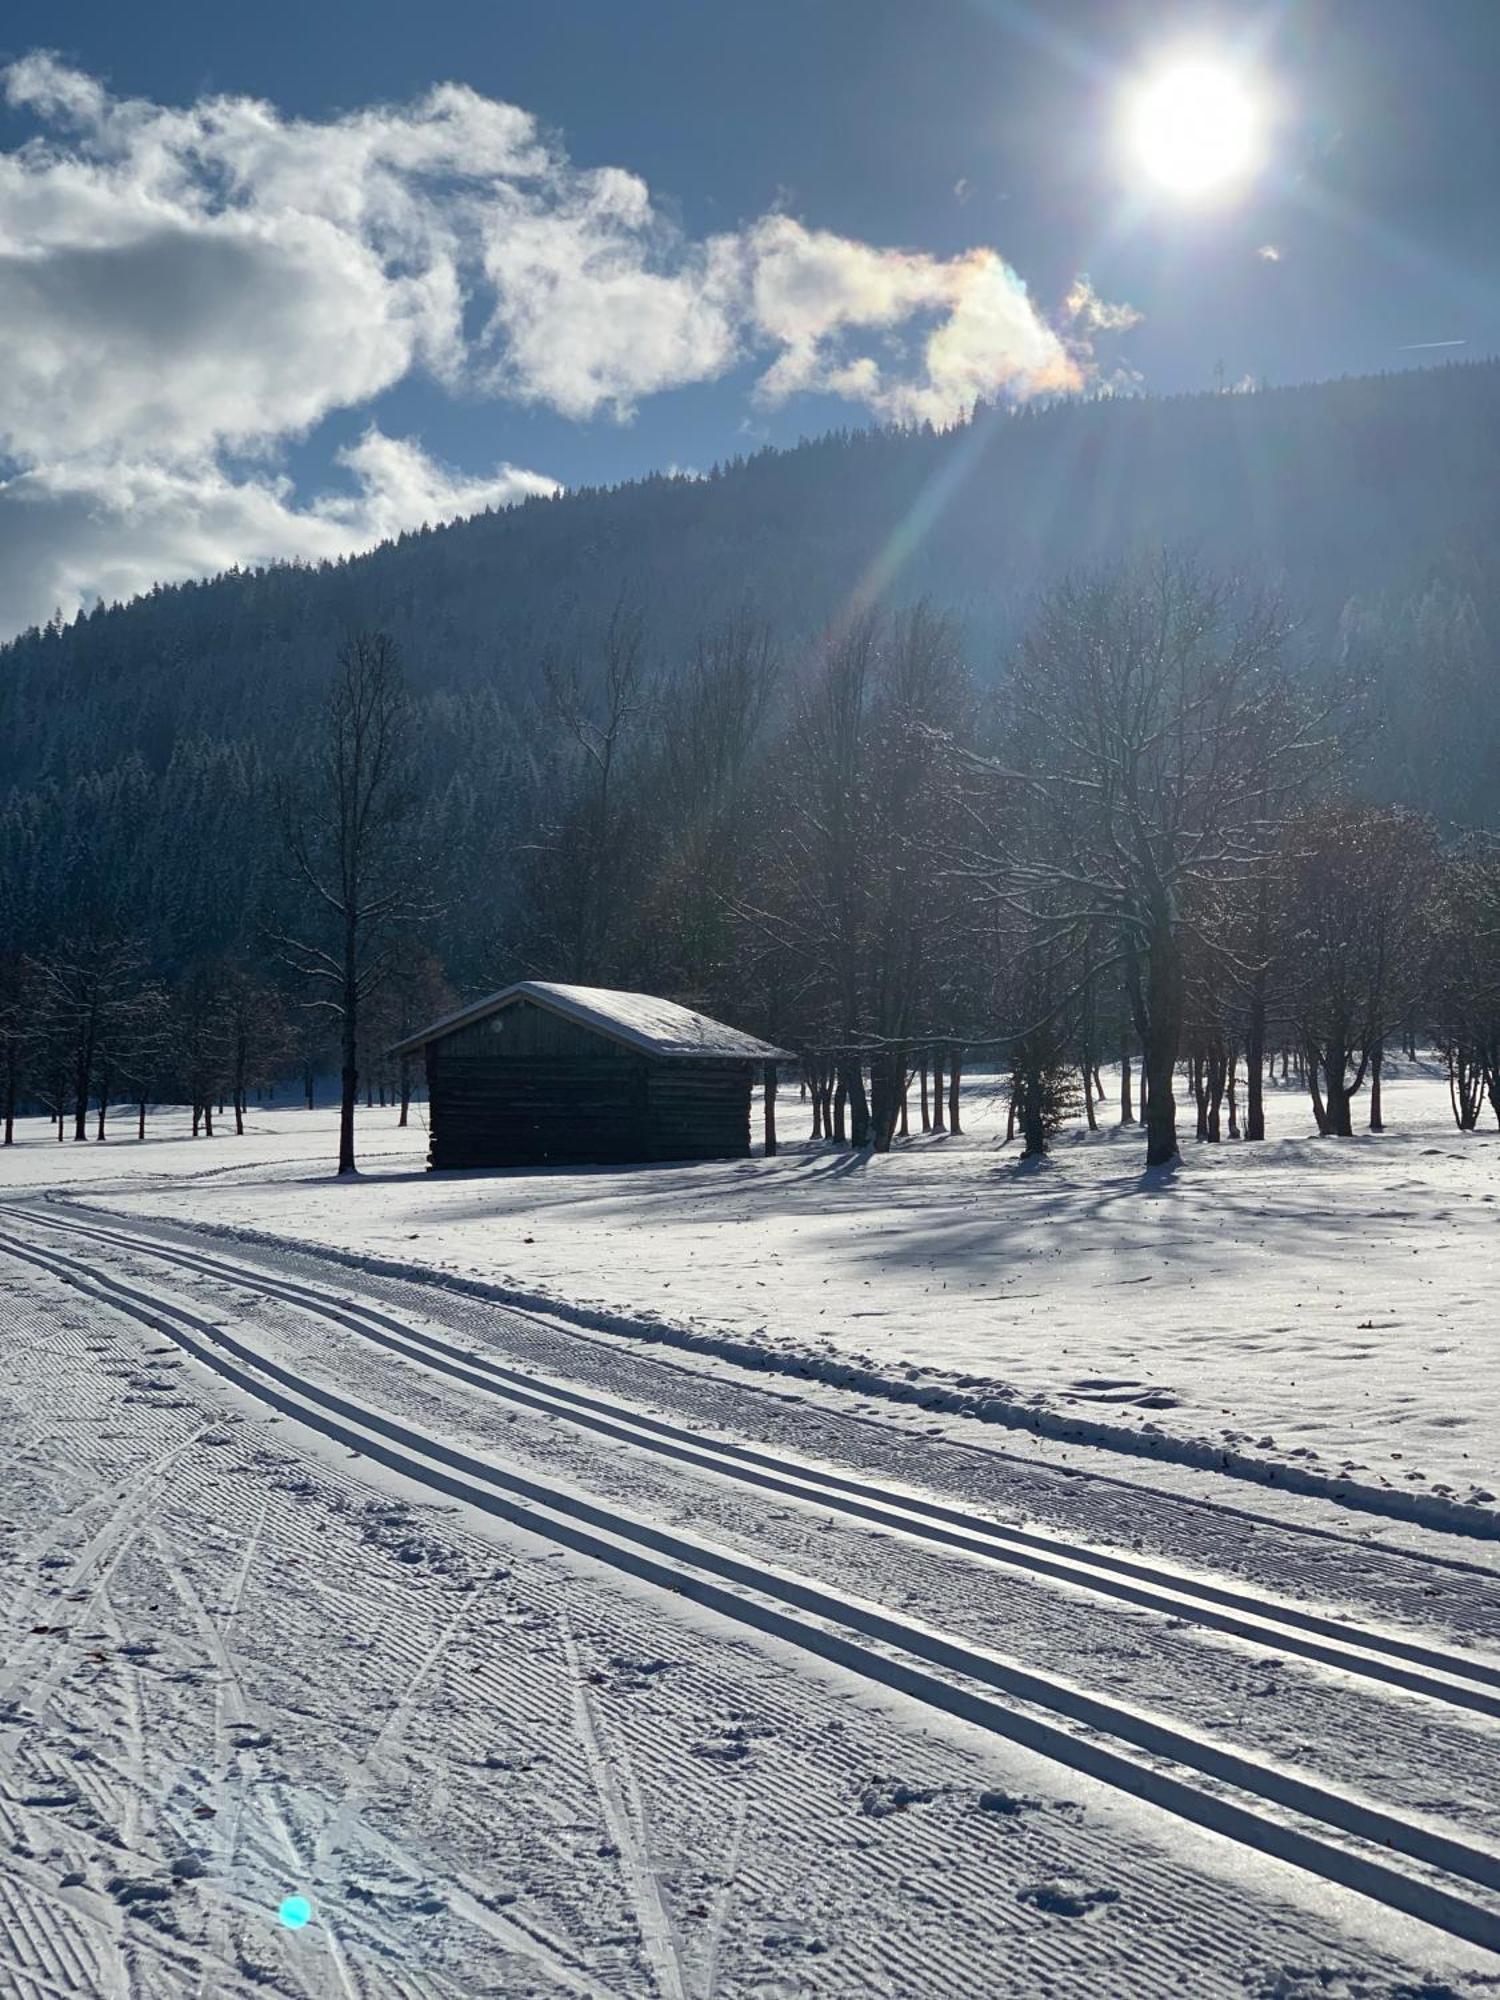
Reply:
x=1400, y=1852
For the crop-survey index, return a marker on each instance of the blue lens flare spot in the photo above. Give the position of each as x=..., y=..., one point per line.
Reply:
x=295, y=1911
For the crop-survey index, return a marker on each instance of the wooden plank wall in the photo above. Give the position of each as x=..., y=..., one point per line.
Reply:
x=490, y=1112
x=494, y=1110
x=698, y=1111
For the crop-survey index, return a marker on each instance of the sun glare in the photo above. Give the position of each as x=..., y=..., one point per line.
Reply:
x=1194, y=128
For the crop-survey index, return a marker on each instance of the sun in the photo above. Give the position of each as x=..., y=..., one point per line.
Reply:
x=1194, y=128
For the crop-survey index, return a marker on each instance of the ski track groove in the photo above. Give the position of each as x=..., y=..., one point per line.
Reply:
x=1332, y=1641
x=509, y=1934
x=337, y=1828
x=220, y=1654
x=1128, y=1771
x=624, y=1819
x=724, y=1899
x=888, y=1972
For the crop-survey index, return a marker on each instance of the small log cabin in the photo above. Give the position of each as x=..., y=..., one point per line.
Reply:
x=541, y=1075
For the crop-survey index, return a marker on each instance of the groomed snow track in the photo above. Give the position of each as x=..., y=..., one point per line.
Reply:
x=1272, y=1811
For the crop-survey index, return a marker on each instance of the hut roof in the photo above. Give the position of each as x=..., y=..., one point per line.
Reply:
x=638, y=1021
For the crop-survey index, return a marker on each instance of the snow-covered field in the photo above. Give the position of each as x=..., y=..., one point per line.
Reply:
x=577, y=1651
x=1308, y=1306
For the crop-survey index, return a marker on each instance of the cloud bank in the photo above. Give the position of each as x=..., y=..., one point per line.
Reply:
x=186, y=291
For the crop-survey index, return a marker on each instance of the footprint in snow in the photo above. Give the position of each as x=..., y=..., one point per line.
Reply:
x=884, y=1796
x=1007, y=1805
x=1063, y=1896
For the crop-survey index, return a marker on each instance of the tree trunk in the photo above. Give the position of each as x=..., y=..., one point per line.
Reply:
x=926, y=1113
x=1217, y=1071
x=938, y=1122
x=882, y=1102
x=140, y=1123
x=1088, y=1096
x=103, y=1106
x=405, y=1090
x=1377, y=1063
x=307, y=1084
x=1033, y=1124
x=955, y=1077
x=1127, y=1111
x=208, y=1117
x=1164, y=1031
x=768, y=1089
x=903, y=1123
x=82, y=1076
x=10, y=1102
x=349, y=1066
x=1255, y=1057
x=859, y=1104
x=1320, y=1109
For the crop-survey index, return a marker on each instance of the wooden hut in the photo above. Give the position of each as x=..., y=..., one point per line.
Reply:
x=540, y=1074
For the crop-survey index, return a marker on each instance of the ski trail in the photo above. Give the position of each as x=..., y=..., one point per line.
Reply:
x=340, y=1822
x=465, y=1900
x=627, y=1829
x=235, y=1707
x=724, y=1899
x=230, y=1709
x=227, y=1696
x=95, y=1563
x=135, y=1786
x=33, y=1977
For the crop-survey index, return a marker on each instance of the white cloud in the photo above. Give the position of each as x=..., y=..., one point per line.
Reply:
x=819, y=297
x=184, y=291
x=1084, y=308
x=598, y=302
x=74, y=532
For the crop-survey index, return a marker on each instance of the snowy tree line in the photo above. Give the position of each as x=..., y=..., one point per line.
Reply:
x=1149, y=840
x=1145, y=844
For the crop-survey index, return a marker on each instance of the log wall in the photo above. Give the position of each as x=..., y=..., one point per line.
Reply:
x=527, y=1096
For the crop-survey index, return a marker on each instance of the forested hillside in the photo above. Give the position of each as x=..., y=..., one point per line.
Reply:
x=140, y=747
x=1369, y=491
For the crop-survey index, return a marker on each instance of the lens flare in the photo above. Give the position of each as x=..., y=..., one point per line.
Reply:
x=295, y=1911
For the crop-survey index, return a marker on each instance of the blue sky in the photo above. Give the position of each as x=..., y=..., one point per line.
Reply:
x=696, y=228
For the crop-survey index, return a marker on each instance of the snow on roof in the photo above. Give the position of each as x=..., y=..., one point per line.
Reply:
x=638, y=1020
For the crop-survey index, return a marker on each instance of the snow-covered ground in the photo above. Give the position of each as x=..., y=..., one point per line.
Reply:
x=570, y=1653
x=1307, y=1308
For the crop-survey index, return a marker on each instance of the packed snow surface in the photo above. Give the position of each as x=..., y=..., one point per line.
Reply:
x=1305, y=1303
x=367, y=1636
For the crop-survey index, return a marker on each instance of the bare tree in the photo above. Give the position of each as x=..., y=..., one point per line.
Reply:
x=347, y=823
x=90, y=994
x=258, y=1036
x=1353, y=944
x=861, y=796
x=1463, y=979
x=1149, y=742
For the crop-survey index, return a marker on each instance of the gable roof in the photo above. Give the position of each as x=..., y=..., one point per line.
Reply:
x=637, y=1021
